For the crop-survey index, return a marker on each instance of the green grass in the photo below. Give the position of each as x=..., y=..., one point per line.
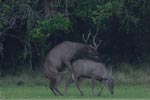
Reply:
x=130, y=85
x=122, y=92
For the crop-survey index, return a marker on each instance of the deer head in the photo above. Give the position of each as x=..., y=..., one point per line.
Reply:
x=95, y=43
x=92, y=48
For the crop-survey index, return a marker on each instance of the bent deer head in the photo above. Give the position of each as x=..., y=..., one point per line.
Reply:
x=92, y=48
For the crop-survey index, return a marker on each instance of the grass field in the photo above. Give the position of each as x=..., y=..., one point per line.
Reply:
x=130, y=85
x=122, y=92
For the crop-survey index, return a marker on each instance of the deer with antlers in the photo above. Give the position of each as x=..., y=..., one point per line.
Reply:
x=62, y=55
x=94, y=70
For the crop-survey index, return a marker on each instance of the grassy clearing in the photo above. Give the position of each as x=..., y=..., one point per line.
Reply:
x=124, y=76
x=130, y=85
x=42, y=92
x=128, y=75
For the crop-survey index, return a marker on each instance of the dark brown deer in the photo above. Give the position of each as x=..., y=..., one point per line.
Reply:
x=84, y=68
x=62, y=55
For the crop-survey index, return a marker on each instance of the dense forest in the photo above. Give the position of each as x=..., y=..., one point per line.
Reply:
x=30, y=28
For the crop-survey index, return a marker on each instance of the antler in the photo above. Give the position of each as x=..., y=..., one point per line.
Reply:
x=96, y=45
x=87, y=38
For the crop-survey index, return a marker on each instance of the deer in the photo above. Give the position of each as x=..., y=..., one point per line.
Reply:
x=85, y=68
x=63, y=54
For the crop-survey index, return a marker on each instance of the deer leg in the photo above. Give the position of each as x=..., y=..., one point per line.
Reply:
x=54, y=92
x=78, y=85
x=51, y=86
x=58, y=91
x=92, y=85
x=102, y=86
x=54, y=84
x=68, y=83
x=71, y=69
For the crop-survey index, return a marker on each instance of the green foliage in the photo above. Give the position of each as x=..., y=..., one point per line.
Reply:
x=98, y=11
x=58, y=22
x=134, y=15
x=102, y=13
x=106, y=11
x=84, y=7
x=123, y=26
x=5, y=14
x=45, y=28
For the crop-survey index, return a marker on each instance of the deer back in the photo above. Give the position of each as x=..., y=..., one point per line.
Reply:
x=88, y=67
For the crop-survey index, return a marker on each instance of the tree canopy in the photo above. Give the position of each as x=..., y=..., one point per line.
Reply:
x=30, y=28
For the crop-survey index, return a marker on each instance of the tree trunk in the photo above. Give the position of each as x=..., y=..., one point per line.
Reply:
x=48, y=8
